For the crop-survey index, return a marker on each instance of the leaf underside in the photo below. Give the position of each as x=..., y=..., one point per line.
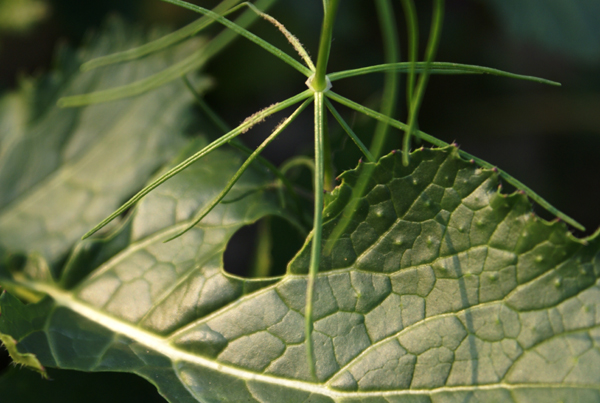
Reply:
x=442, y=289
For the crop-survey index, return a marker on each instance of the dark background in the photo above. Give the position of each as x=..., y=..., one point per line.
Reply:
x=547, y=137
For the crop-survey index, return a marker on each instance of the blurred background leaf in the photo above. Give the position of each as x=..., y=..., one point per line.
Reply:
x=20, y=15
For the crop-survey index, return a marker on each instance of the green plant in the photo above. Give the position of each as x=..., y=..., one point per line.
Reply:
x=431, y=283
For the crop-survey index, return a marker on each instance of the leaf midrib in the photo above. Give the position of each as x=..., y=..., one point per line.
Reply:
x=161, y=345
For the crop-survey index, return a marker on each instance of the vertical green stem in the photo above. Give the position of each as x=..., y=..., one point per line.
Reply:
x=412, y=28
x=263, y=262
x=432, y=45
x=329, y=174
x=315, y=253
x=319, y=85
x=319, y=82
x=389, y=33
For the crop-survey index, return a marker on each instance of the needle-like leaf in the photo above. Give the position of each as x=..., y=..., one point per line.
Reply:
x=349, y=131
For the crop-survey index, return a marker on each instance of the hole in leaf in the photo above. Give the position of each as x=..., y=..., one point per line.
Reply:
x=262, y=249
x=4, y=359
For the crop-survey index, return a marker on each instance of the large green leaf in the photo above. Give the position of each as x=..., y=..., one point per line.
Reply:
x=63, y=170
x=441, y=290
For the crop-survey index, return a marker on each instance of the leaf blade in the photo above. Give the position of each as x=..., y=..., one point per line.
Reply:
x=384, y=304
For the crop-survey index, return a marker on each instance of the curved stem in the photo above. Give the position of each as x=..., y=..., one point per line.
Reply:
x=243, y=32
x=236, y=143
x=192, y=62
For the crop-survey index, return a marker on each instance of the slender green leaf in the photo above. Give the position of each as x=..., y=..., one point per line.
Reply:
x=349, y=131
x=389, y=33
x=412, y=29
x=415, y=103
x=232, y=181
x=436, y=68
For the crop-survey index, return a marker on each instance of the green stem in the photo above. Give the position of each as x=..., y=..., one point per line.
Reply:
x=245, y=33
x=236, y=143
x=315, y=253
x=319, y=82
x=389, y=33
x=432, y=45
x=263, y=261
x=413, y=46
x=329, y=174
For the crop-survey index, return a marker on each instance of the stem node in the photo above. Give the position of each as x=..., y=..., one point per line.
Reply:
x=310, y=83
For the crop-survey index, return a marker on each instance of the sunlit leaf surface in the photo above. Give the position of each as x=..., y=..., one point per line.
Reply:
x=442, y=289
